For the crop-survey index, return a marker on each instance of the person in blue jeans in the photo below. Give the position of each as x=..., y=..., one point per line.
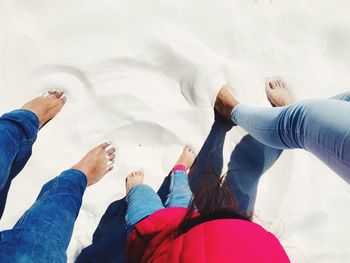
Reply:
x=321, y=127
x=143, y=201
x=249, y=160
x=44, y=231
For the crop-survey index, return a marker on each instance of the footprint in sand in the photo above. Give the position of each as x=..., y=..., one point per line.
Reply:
x=142, y=139
x=70, y=79
x=199, y=71
x=143, y=133
x=82, y=99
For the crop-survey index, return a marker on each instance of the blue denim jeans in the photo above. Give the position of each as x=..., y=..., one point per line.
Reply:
x=143, y=201
x=43, y=233
x=321, y=127
x=249, y=160
x=18, y=132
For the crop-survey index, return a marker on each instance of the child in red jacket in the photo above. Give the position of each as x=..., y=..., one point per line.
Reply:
x=215, y=225
x=143, y=200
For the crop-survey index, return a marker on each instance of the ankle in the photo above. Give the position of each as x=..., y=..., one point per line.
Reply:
x=180, y=167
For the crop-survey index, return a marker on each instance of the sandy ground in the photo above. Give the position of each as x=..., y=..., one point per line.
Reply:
x=143, y=74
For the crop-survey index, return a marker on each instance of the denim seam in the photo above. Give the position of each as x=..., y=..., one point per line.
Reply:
x=326, y=150
x=318, y=144
x=173, y=189
x=309, y=140
x=170, y=197
x=299, y=134
x=75, y=205
x=25, y=215
x=276, y=130
x=305, y=138
x=37, y=203
x=46, y=194
x=266, y=129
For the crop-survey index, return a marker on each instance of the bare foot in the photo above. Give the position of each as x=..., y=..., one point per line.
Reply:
x=133, y=179
x=96, y=163
x=47, y=106
x=187, y=157
x=277, y=93
x=225, y=102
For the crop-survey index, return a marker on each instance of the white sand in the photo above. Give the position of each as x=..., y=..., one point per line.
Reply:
x=135, y=72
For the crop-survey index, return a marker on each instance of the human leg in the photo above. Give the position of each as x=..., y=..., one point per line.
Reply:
x=249, y=160
x=43, y=233
x=317, y=126
x=180, y=193
x=111, y=248
x=141, y=199
x=18, y=132
x=210, y=158
x=344, y=96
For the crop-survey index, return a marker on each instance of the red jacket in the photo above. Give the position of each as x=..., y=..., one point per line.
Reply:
x=222, y=240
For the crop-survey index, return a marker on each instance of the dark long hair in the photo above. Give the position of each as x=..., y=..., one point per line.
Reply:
x=212, y=199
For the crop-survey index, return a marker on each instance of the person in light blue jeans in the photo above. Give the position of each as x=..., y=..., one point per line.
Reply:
x=143, y=201
x=44, y=231
x=321, y=127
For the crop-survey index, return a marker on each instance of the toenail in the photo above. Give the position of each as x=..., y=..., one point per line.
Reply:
x=52, y=92
x=110, y=151
x=46, y=94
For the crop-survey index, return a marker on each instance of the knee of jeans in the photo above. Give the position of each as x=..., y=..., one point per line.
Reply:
x=294, y=122
x=306, y=111
x=309, y=108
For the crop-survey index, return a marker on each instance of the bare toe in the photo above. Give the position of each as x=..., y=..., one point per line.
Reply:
x=111, y=157
x=284, y=85
x=277, y=93
x=110, y=151
x=280, y=83
x=104, y=145
x=109, y=168
x=273, y=84
x=59, y=94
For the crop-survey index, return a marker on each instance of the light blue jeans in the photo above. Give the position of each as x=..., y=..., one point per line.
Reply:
x=143, y=201
x=321, y=127
x=44, y=231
